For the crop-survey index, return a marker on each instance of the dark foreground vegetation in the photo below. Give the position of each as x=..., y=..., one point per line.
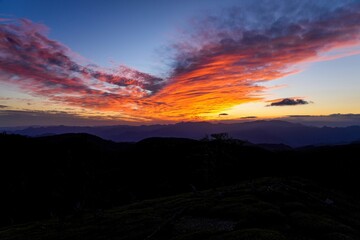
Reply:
x=77, y=186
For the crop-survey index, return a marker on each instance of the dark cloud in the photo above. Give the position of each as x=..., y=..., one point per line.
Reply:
x=287, y=102
x=249, y=117
x=3, y=106
x=223, y=114
x=279, y=28
x=298, y=116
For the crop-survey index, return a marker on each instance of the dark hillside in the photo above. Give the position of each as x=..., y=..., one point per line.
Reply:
x=59, y=176
x=261, y=209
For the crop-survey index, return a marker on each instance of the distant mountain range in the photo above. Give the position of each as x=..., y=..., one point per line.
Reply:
x=267, y=132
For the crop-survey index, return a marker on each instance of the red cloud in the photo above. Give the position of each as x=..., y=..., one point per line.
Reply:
x=44, y=67
x=215, y=69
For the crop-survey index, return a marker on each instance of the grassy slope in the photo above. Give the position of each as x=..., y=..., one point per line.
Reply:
x=267, y=208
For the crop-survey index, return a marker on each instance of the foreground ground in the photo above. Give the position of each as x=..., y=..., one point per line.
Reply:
x=265, y=208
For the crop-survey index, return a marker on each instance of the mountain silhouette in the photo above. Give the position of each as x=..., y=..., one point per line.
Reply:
x=268, y=132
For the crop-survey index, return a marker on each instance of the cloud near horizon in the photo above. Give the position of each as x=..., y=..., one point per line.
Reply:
x=331, y=120
x=220, y=62
x=23, y=118
x=287, y=102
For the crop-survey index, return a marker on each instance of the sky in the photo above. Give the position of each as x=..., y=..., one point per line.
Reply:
x=135, y=62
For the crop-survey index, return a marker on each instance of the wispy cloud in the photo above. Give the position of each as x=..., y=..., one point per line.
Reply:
x=48, y=68
x=226, y=57
x=220, y=62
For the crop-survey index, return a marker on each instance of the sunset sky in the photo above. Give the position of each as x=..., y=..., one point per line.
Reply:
x=142, y=61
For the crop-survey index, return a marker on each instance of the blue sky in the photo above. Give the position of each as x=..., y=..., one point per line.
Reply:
x=129, y=32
